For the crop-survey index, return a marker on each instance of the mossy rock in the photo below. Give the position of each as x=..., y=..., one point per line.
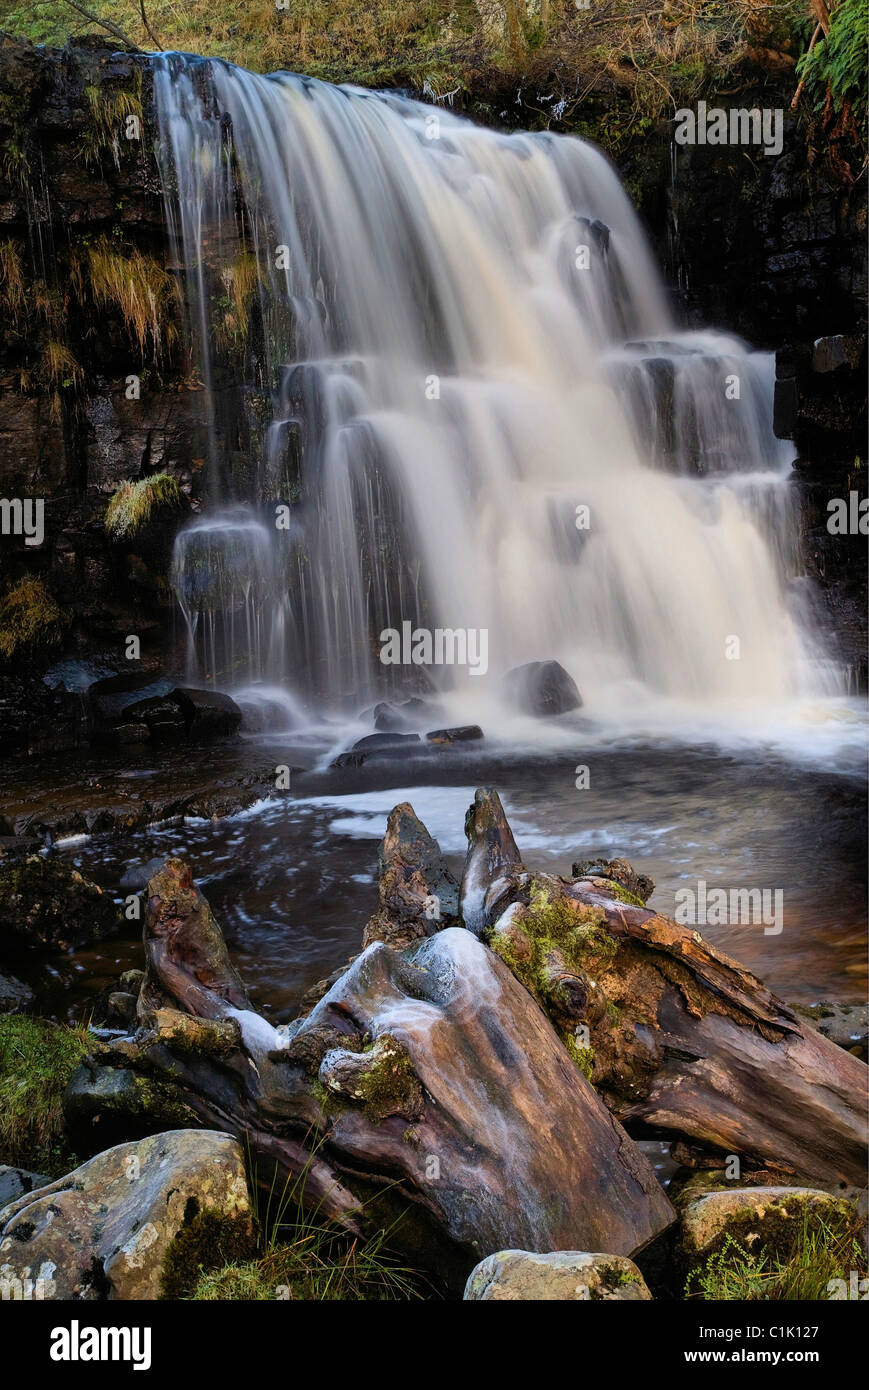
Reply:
x=111, y=1105
x=772, y=1218
x=47, y=905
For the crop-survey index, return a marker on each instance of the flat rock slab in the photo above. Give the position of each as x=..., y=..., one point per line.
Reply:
x=564, y=1275
x=104, y=1230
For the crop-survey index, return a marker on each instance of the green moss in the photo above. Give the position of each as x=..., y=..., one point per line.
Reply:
x=135, y=505
x=208, y=1241
x=557, y=928
x=582, y=1056
x=388, y=1085
x=37, y=1058
x=619, y=891
x=30, y=619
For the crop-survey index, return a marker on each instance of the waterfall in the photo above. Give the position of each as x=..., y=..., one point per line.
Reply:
x=476, y=413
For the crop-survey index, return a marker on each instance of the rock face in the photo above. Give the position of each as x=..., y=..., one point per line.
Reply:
x=542, y=688
x=565, y=1275
x=110, y=1228
x=45, y=905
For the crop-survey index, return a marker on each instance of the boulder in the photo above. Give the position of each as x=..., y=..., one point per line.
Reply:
x=755, y=1218
x=541, y=688
x=47, y=905
x=120, y=1224
x=563, y=1275
x=464, y=733
x=207, y=713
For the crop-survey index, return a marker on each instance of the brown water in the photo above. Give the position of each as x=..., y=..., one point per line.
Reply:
x=293, y=881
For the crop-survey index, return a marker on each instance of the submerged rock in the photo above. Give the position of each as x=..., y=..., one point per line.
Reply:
x=846, y=1025
x=566, y=1275
x=389, y=740
x=541, y=688
x=46, y=905
x=120, y=1225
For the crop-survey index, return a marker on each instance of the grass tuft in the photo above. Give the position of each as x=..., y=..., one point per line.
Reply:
x=37, y=1058
x=134, y=505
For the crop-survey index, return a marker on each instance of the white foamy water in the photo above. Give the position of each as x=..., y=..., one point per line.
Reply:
x=466, y=340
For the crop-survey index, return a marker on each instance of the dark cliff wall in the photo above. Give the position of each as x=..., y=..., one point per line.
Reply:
x=769, y=247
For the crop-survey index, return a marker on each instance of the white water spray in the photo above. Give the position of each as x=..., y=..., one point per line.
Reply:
x=464, y=340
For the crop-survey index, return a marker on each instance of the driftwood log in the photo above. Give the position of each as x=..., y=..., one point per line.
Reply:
x=428, y=1074
x=681, y=1041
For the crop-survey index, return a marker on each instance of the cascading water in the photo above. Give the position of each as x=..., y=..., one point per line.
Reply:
x=463, y=340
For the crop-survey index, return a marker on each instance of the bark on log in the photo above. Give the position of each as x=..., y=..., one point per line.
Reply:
x=428, y=1071
x=686, y=1042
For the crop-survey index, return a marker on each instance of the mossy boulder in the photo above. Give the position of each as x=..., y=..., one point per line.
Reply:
x=47, y=905
x=107, y=1105
x=770, y=1218
x=564, y=1275
x=134, y=1222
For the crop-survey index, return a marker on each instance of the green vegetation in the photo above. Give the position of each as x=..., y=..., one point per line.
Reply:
x=30, y=619
x=642, y=61
x=37, y=1059
x=298, y=1254
x=240, y=280
x=134, y=505
x=551, y=940
x=820, y=1253
x=109, y=111
x=834, y=72
x=136, y=285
